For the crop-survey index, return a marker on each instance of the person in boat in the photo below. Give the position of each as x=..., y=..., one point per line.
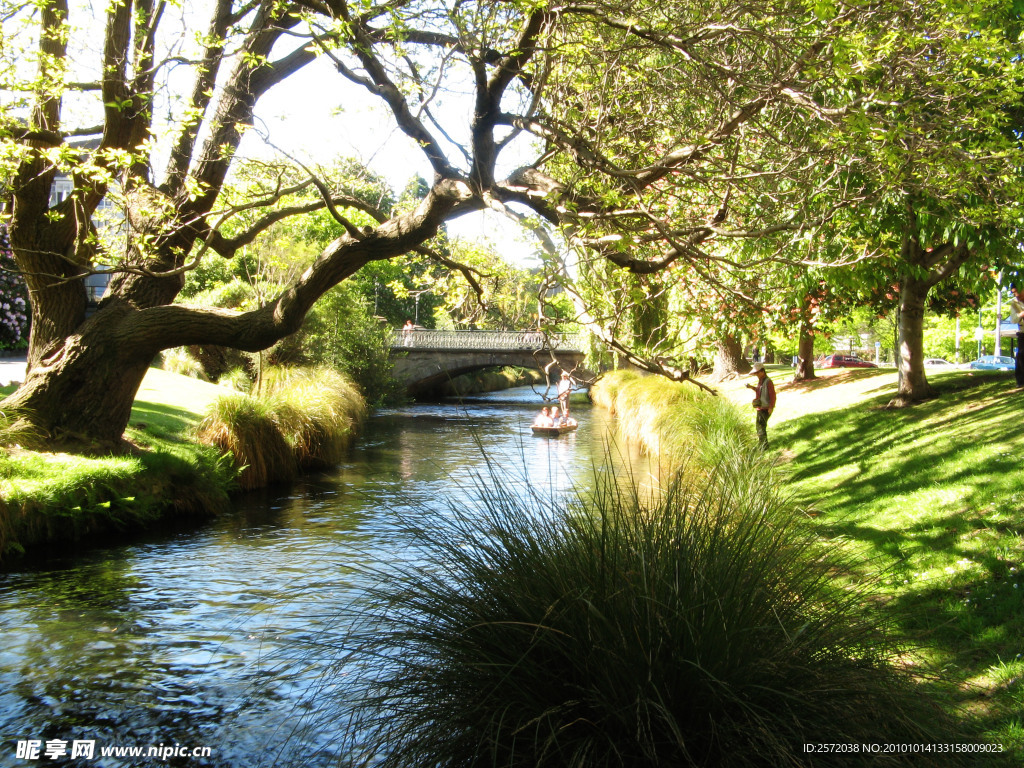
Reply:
x=556, y=417
x=543, y=418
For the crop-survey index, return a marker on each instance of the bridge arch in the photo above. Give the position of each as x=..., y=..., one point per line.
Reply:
x=426, y=359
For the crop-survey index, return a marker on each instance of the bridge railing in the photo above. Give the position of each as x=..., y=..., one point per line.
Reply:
x=487, y=340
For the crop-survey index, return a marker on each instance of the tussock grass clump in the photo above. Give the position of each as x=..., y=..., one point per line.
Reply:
x=676, y=422
x=179, y=361
x=605, y=391
x=303, y=418
x=687, y=629
x=236, y=379
x=247, y=428
x=318, y=410
x=17, y=430
x=707, y=431
x=645, y=405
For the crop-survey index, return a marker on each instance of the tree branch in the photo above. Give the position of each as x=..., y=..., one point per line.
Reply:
x=250, y=79
x=175, y=325
x=491, y=90
x=199, y=102
x=381, y=85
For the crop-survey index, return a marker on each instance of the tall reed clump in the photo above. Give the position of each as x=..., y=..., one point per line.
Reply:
x=302, y=418
x=688, y=628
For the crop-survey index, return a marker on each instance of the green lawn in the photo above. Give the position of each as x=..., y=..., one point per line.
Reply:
x=931, y=498
x=48, y=498
x=168, y=405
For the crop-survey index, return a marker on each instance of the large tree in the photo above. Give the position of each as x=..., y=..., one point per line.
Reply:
x=940, y=160
x=903, y=165
x=640, y=133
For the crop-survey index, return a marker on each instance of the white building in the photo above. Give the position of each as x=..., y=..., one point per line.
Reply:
x=106, y=215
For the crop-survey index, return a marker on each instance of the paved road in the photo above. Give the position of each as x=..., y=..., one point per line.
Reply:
x=11, y=369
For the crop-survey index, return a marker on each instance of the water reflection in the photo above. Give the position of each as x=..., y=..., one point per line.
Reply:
x=215, y=637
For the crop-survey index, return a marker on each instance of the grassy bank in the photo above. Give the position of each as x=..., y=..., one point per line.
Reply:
x=928, y=502
x=192, y=441
x=699, y=623
x=58, y=499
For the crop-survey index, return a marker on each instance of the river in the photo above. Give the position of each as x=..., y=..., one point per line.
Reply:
x=217, y=638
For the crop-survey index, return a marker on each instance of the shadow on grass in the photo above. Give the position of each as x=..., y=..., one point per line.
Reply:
x=974, y=626
x=161, y=420
x=845, y=438
x=844, y=377
x=932, y=495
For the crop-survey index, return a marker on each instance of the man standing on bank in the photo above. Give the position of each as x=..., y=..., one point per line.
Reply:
x=764, y=402
x=1016, y=315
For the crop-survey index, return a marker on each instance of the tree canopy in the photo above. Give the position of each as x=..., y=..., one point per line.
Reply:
x=659, y=138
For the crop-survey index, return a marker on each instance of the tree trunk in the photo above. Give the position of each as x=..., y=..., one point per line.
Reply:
x=729, y=360
x=913, y=383
x=649, y=315
x=805, y=355
x=81, y=396
x=933, y=265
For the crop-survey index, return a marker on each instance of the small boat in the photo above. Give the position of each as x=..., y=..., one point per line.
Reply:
x=553, y=431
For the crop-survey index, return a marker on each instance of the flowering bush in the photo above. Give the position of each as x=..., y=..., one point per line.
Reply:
x=13, y=297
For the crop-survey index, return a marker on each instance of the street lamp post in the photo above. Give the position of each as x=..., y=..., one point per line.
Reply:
x=999, y=314
x=416, y=296
x=979, y=333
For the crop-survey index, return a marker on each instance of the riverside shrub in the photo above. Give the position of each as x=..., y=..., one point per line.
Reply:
x=676, y=422
x=318, y=410
x=246, y=428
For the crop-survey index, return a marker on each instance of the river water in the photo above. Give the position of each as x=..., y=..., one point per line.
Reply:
x=218, y=638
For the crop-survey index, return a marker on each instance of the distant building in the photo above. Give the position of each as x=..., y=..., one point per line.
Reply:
x=95, y=285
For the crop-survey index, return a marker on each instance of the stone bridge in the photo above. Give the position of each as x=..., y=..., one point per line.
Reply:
x=425, y=359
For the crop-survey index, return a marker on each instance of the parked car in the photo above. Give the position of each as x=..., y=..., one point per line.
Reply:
x=844, y=361
x=992, y=363
x=938, y=362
